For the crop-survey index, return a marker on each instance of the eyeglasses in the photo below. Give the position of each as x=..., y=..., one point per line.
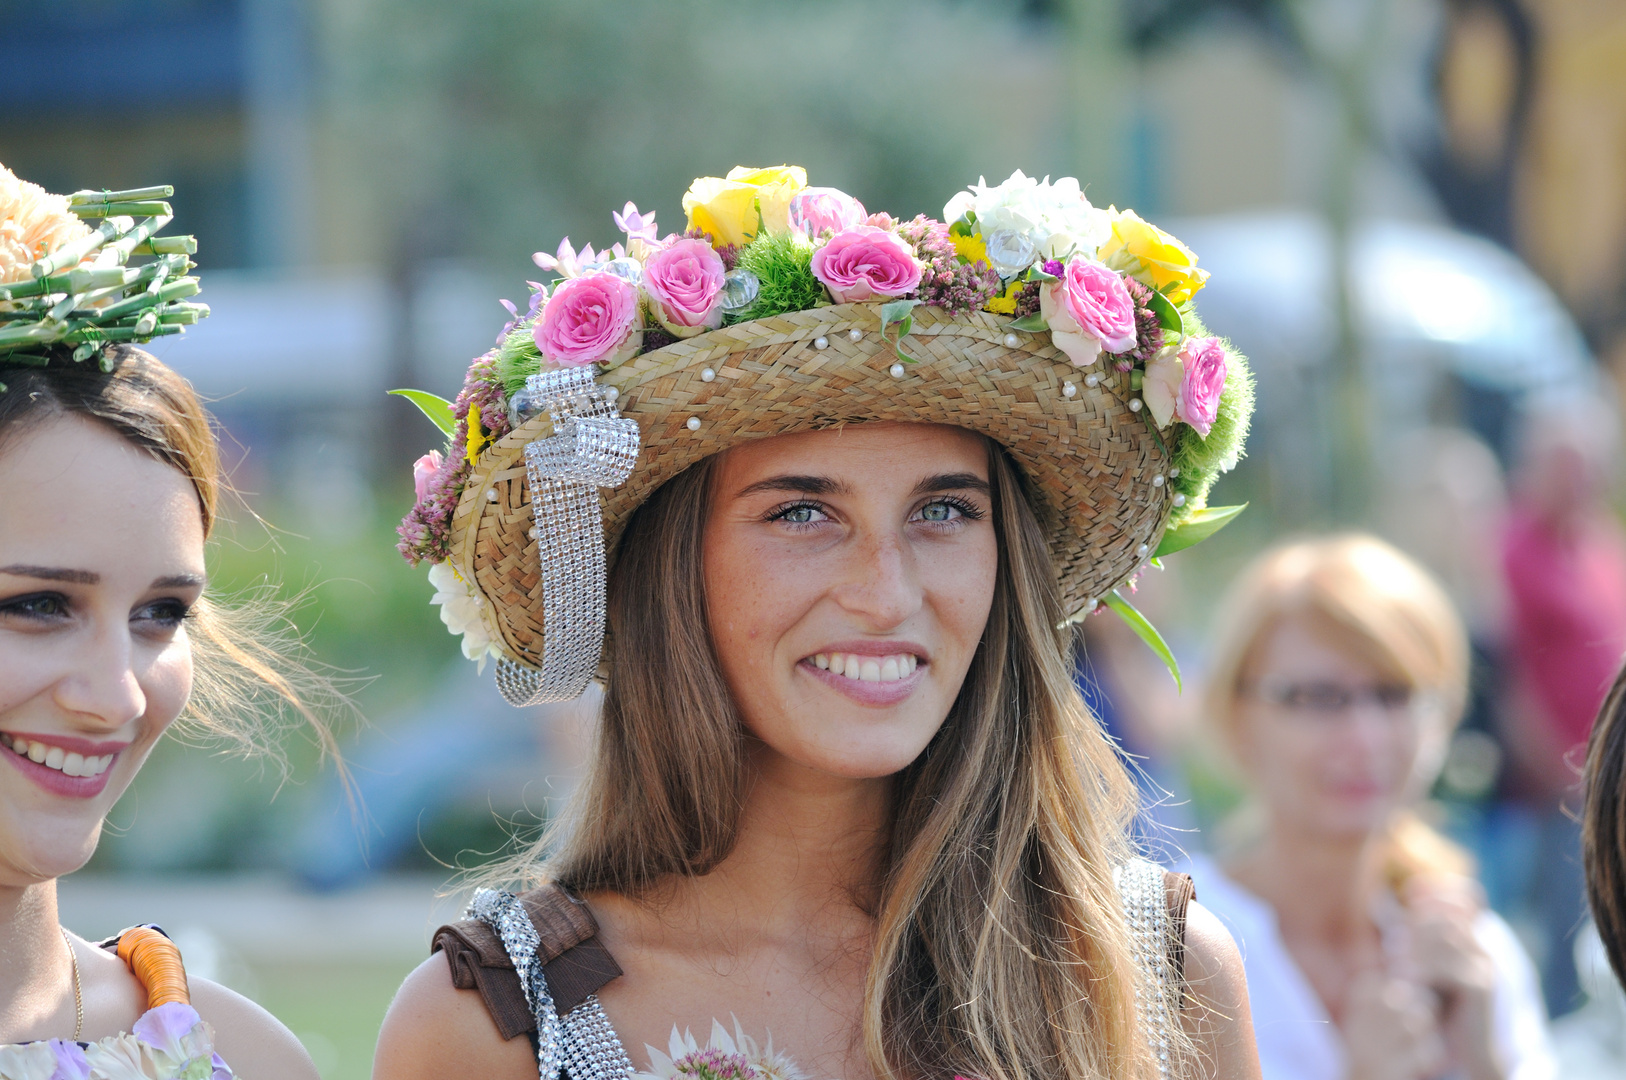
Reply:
x=1325, y=700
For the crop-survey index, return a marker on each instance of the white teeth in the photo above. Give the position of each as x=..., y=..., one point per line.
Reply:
x=867, y=668
x=54, y=757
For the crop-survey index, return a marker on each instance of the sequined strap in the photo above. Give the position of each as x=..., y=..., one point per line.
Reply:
x=592, y=446
x=1157, y=993
x=582, y=1042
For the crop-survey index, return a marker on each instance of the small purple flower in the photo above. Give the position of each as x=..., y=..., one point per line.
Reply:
x=713, y=1064
x=70, y=1061
x=163, y=1028
x=637, y=226
x=1053, y=267
x=220, y=1070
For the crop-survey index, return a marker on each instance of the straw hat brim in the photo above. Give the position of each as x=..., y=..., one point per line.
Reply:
x=1089, y=458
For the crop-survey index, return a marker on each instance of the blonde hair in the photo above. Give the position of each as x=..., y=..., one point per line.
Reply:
x=251, y=673
x=1389, y=609
x=1001, y=950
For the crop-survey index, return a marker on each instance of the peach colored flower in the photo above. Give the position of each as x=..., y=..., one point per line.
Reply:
x=33, y=223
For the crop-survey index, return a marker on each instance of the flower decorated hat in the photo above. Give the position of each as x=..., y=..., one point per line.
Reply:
x=1064, y=331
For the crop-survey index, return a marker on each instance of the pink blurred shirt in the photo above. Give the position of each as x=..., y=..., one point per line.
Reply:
x=1568, y=617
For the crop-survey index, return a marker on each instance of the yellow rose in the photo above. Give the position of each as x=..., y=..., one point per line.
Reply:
x=1152, y=257
x=729, y=207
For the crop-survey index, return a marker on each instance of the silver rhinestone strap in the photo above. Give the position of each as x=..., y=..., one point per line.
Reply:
x=592, y=446
x=506, y=916
x=1140, y=885
x=593, y=1050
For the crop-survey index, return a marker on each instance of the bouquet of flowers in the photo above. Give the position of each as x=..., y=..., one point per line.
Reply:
x=68, y=275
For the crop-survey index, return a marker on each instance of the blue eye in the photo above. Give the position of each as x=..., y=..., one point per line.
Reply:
x=948, y=510
x=799, y=514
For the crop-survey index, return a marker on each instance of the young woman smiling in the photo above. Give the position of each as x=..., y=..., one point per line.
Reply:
x=845, y=799
x=108, y=491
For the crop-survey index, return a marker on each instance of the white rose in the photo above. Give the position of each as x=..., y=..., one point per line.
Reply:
x=1056, y=217
x=460, y=611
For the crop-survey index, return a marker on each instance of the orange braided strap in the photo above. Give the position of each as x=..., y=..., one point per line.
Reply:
x=156, y=963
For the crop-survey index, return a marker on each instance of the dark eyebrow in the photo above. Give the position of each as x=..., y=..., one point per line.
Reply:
x=181, y=581
x=52, y=573
x=960, y=481
x=797, y=485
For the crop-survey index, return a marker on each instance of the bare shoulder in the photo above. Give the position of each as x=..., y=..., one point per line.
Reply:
x=253, y=1042
x=433, y=1030
x=1217, y=1016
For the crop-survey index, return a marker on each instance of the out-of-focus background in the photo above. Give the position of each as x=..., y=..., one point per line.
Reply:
x=1414, y=212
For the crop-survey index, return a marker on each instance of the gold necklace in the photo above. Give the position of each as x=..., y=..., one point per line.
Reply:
x=78, y=989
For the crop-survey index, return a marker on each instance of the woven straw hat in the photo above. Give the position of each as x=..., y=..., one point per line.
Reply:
x=1093, y=464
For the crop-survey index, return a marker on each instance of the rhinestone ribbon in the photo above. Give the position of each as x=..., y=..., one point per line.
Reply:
x=592, y=446
x=506, y=916
x=1157, y=993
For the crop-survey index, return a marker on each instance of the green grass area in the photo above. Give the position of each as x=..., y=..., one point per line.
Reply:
x=335, y=1009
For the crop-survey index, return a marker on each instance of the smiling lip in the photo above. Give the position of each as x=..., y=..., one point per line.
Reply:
x=56, y=781
x=891, y=670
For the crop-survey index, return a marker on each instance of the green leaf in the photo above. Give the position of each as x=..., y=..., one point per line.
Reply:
x=1168, y=316
x=438, y=409
x=1038, y=273
x=900, y=312
x=1198, y=527
x=1146, y=632
x=965, y=226
x=1031, y=324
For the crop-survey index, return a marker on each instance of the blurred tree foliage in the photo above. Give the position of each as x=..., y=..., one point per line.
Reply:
x=505, y=124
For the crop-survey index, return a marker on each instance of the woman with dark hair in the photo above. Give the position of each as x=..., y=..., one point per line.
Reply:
x=844, y=790
x=109, y=488
x=1603, y=825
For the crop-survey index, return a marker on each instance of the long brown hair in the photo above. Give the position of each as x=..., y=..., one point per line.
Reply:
x=1603, y=825
x=1391, y=610
x=250, y=674
x=1001, y=950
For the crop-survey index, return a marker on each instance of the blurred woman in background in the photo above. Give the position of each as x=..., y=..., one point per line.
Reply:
x=1340, y=673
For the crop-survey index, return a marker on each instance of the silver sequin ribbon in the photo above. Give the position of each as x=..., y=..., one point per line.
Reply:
x=592, y=446
x=503, y=912
x=582, y=1042
x=1157, y=993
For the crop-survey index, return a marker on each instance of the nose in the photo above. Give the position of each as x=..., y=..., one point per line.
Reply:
x=100, y=687
x=880, y=583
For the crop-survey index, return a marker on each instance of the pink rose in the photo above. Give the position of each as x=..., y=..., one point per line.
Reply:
x=684, y=282
x=1202, y=382
x=423, y=472
x=816, y=209
x=1088, y=309
x=866, y=263
x=589, y=319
